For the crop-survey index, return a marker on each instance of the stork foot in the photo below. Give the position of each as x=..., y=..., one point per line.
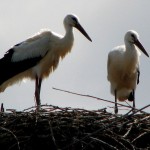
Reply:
x=38, y=108
x=133, y=110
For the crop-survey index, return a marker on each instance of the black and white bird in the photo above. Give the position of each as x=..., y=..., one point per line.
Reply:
x=38, y=56
x=123, y=68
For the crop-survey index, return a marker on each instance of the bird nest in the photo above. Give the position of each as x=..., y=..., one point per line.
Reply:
x=58, y=128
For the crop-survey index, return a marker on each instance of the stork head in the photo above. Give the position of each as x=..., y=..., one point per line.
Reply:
x=73, y=21
x=132, y=37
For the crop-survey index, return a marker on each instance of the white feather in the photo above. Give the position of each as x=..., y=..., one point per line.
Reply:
x=122, y=66
x=35, y=46
x=46, y=44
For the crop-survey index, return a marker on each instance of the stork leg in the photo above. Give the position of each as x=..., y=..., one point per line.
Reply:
x=39, y=86
x=133, y=100
x=38, y=82
x=116, y=107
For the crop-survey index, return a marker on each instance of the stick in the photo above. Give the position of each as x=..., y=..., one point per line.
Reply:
x=93, y=97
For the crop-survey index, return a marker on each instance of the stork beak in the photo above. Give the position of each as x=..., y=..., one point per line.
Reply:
x=80, y=28
x=140, y=46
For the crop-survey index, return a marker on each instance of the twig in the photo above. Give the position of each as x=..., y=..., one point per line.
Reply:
x=68, y=128
x=141, y=135
x=13, y=135
x=128, y=131
x=138, y=110
x=94, y=97
x=104, y=127
x=106, y=144
x=2, y=107
x=52, y=135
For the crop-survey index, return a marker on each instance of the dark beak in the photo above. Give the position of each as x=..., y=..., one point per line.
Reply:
x=140, y=46
x=80, y=28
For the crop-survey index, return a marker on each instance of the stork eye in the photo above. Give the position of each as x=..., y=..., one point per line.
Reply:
x=132, y=35
x=74, y=19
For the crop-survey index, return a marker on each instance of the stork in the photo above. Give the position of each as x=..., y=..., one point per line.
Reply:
x=38, y=56
x=123, y=68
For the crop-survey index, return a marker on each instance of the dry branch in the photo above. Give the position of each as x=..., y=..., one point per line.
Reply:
x=100, y=99
x=68, y=128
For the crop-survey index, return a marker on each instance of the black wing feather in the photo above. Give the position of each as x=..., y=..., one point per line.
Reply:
x=9, y=69
x=138, y=78
x=131, y=95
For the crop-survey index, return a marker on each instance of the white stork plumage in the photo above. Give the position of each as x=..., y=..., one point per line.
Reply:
x=38, y=56
x=123, y=68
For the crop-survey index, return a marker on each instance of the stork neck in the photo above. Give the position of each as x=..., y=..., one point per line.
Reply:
x=69, y=33
x=66, y=42
x=130, y=58
x=131, y=54
x=68, y=38
x=130, y=48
